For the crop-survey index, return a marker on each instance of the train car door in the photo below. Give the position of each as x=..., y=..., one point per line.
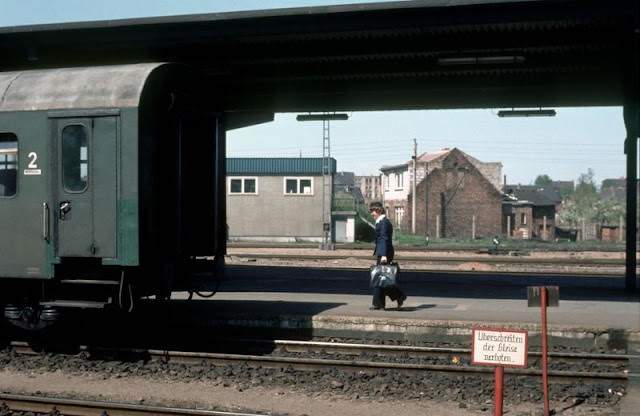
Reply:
x=85, y=186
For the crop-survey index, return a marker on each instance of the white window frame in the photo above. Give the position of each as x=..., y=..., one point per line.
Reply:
x=242, y=181
x=399, y=214
x=297, y=179
x=399, y=180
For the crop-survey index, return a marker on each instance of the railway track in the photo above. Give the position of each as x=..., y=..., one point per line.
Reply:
x=366, y=358
x=426, y=264
x=451, y=248
x=442, y=259
x=75, y=407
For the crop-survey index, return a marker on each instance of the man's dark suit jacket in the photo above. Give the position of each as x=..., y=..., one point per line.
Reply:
x=384, y=235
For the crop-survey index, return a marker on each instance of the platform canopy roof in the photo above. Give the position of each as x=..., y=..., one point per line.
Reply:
x=427, y=54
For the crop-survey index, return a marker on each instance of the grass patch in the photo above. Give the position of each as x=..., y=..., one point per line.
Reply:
x=404, y=239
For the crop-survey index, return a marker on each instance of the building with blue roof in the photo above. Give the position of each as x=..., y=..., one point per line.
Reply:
x=279, y=199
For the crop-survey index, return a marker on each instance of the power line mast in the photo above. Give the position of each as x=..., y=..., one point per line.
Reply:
x=327, y=185
x=327, y=172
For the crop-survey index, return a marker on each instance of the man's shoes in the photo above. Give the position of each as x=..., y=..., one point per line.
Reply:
x=401, y=301
x=373, y=308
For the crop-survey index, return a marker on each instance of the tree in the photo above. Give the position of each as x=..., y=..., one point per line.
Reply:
x=581, y=207
x=585, y=205
x=608, y=211
x=543, y=180
x=565, y=189
x=586, y=184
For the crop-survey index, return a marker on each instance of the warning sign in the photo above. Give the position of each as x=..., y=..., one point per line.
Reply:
x=499, y=347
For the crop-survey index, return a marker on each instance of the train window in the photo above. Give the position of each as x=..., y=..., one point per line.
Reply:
x=75, y=158
x=8, y=164
x=243, y=185
x=297, y=186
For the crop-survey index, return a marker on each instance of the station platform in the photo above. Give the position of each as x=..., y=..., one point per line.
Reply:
x=593, y=312
x=590, y=324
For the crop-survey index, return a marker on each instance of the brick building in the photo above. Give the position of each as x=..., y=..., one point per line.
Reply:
x=397, y=182
x=612, y=233
x=529, y=212
x=370, y=186
x=459, y=197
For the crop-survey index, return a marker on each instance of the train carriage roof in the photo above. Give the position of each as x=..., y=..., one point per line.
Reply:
x=70, y=88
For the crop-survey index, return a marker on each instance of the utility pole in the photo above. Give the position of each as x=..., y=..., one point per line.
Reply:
x=413, y=186
x=426, y=201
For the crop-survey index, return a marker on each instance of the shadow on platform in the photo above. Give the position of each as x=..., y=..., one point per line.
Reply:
x=431, y=284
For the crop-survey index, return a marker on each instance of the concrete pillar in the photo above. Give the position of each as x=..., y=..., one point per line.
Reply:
x=437, y=226
x=631, y=114
x=544, y=228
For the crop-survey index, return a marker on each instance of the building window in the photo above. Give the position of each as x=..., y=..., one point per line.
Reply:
x=298, y=186
x=523, y=218
x=75, y=158
x=8, y=164
x=243, y=186
x=399, y=178
x=399, y=215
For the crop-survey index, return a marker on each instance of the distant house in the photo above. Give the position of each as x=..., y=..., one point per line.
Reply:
x=612, y=233
x=445, y=180
x=459, y=196
x=529, y=212
x=614, y=189
x=280, y=199
x=370, y=187
x=345, y=183
x=344, y=179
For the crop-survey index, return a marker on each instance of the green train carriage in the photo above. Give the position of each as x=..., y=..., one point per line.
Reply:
x=111, y=188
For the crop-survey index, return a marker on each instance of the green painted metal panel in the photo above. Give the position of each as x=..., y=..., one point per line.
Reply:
x=128, y=201
x=105, y=181
x=23, y=246
x=278, y=166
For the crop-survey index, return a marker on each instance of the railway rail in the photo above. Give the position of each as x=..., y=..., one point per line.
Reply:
x=460, y=248
x=441, y=259
x=615, y=364
x=75, y=407
x=423, y=264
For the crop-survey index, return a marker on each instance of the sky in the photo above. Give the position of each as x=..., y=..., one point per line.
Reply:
x=563, y=147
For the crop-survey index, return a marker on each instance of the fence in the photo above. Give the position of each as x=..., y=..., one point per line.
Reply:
x=540, y=229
